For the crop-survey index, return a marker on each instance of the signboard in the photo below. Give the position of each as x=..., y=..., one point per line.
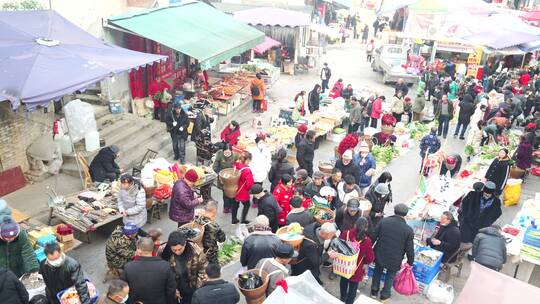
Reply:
x=473, y=62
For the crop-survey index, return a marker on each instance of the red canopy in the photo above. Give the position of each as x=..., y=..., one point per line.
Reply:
x=531, y=16
x=266, y=45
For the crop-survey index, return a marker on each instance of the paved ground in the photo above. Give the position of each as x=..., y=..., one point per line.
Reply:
x=347, y=62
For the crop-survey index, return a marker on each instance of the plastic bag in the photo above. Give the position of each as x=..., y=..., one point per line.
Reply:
x=242, y=232
x=405, y=283
x=439, y=292
x=512, y=192
x=342, y=246
x=80, y=118
x=163, y=192
x=249, y=280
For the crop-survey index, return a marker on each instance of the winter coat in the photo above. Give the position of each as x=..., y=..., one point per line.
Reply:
x=213, y=234
x=12, y=291
x=230, y=137
x=18, y=255
x=276, y=272
x=377, y=206
x=344, y=195
x=257, y=246
x=119, y=249
x=103, y=163
x=244, y=183
x=429, y=142
x=350, y=169
x=470, y=218
x=498, y=172
x=298, y=138
x=196, y=262
x=524, y=155
x=221, y=162
x=59, y=278
x=183, y=203
x=394, y=239
x=133, y=201
x=304, y=217
x=150, y=280
x=376, y=109
x=283, y=197
x=279, y=169
x=419, y=104
x=182, y=124
x=438, y=109
x=260, y=164
x=156, y=87
x=259, y=83
x=347, y=93
x=344, y=220
x=449, y=236
x=366, y=255
x=310, y=255
x=312, y=190
x=305, y=152
x=489, y=248
x=364, y=165
x=466, y=109
x=314, y=100
x=397, y=105
x=268, y=206
x=202, y=122
x=356, y=114
x=216, y=291
x=403, y=88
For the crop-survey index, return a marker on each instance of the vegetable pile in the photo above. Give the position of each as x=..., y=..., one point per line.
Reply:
x=383, y=154
x=228, y=251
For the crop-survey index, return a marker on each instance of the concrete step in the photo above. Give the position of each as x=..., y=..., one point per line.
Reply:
x=128, y=133
x=109, y=119
x=141, y=139
x=110, y=129
x=70, y=169
x=90, y=98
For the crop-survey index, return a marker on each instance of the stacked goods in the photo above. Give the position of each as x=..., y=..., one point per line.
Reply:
x=70, y=295
x=427, y=263
x=383, y=155
x=324, y=215
x=531, y=244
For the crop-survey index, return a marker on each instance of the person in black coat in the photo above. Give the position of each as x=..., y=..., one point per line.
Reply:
x=393, y=239
x=215, y=289
x=347, y=166
x=203, y=122
x=489, y=248
x=305, y=152
x=466, y=110
x=259, y=244
x=12, y=291
x=151, y=279
x=310, y=255
x=177, y=124
x=60, y=272
x=314, y=99
x=104, y=165
x=446, y=238
x=451, y=164
x=266, y=205
x=280, y=167
x=479, y=209
x=499, y=170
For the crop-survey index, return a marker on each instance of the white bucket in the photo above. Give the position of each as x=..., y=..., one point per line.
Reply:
x=91, y=141
x=64, y=142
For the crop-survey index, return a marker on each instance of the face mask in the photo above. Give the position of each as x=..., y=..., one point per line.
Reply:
x=124, y=300
x=56, y=263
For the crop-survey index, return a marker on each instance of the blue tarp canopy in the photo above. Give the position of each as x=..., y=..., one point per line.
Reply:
x=43, y=57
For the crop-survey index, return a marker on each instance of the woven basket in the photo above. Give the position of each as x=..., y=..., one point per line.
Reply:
x=387, y=129
x=295, y=243
x=321, y=221
x=257, y=295
x=199, y=238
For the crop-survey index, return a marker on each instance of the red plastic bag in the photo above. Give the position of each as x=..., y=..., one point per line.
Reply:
x=405, y=283
x=264, y=105
x=163, y=192
x=535, y=170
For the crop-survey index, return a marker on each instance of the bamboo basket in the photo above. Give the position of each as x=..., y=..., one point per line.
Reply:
x=257, y=295
x=321, y=221
x=199, y=238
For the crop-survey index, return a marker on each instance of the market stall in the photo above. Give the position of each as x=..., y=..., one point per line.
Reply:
x=229, y=92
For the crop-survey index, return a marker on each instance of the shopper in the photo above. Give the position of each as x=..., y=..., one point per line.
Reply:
x=347, y=215
x=366, y=163
x=261, y=160
x=499, y=170
x=398, y=105
x=446, y=237
x=325, y=75
x=276, y=267
x=314, y=98
x=213, y=234
x=429, y=144
x=466, y=110
x=259, y=244
x=370, y=47
x=313, y=188
x=280, y=167
x=283, y=193
x=184, y=199
x=267, y=206
x=118, y=292
x=444, y=112
x=393, y=239
x=305, y=152
x=231, y=134
x=347, y=166
x=347, y=189
x=489, y=248
x=355, y=116
x=60, y=272
x=16, y=252
x=258, y=92
x=418, y=106
x=12, y=291
x=215, y=289
x=103, y=166
x=376, y=111
x=300, y=134
x=177, y=124
x=244, y=186
x=120, y=249
x=132, y=201
x=155, y=91
x=378, y=198
x=298, y=213
x=225, y=159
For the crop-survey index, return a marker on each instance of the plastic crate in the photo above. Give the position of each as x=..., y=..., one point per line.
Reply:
x=40, y=254
x=44, y=240
x=424, y=273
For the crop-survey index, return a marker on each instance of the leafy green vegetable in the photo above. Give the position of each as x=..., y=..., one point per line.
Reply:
x=383, y=154
x=228, y=251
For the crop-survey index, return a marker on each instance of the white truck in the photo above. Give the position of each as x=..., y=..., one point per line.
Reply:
x=388, y=59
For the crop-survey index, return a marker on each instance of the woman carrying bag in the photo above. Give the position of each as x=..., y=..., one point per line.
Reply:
x=358, y=235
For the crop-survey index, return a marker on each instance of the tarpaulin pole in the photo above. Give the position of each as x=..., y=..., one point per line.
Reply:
x=73, y=148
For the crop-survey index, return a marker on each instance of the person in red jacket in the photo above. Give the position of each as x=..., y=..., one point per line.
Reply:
x=155, y=87
x=376, y=111
x=231, y=133
x=244, y=186
x=283, y=193
x=359, y=236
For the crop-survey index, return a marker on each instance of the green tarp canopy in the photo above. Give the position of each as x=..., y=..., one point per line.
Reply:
x=195, y=29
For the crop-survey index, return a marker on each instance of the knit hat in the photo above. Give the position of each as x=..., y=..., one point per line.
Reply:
x=284, y=251
x=191, y=176
x=347, y=155
x=382, y=188
x=489, y=187
x=9, y=229
x=301, y=173
x=451, y=160
x=130, y=229
x=302, y=128
x=114, y=149
x=256, y=189
x=5, y=211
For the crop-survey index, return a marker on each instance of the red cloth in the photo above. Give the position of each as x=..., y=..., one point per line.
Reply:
x=156, y=87
x=283, y=197
x=283, y=285
x=376, y=108
x=229, y=136
x=524, y=79
x=244, y=183
x=365, y=255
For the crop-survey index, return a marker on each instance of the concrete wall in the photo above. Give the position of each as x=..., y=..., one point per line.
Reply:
x=18, y=130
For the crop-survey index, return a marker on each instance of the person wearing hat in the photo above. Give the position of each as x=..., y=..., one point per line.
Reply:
x=177, y=124
x=120, y=249
x=298, y=213
x=393, y=239
x=259, y=244
x=429, y=144
x=378, y=198
x=276, y=267
x=283, y=193
x=16, y=252
x=347, y=166
x=301, y=181
x=280, y=167
x=315, y=186
x=329, y=194
x=132, y=201
x=347, y=189
x=300, y=134
x=347, y=215
x=366, y=165
x=184, y=199
x=499, y=170
x=451, y=164
x=266, y=205
x=305, y=152
x=479, y=209
x=104, y=165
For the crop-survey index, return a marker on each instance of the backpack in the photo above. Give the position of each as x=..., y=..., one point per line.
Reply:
x=255, y=90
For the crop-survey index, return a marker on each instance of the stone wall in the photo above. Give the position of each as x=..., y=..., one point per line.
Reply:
x=18, y=130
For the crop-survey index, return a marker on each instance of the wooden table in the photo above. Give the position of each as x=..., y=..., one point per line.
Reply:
x=93, y=228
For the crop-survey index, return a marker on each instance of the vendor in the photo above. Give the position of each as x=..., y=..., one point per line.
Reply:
x=451, y=164
x=104, y=165
x=132, y=201
x=231, y=133
x=154, y=90
x=301, y=133
x=16, y=253
x=378, y=198
x=446, y=238
x=499, y=170
x=225, y=158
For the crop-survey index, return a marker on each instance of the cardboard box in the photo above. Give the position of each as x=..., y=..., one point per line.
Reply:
x=65, y=238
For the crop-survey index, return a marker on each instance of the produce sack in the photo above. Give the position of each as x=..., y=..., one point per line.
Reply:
x=439, y=292
x=405, y=283
x=512, y=192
